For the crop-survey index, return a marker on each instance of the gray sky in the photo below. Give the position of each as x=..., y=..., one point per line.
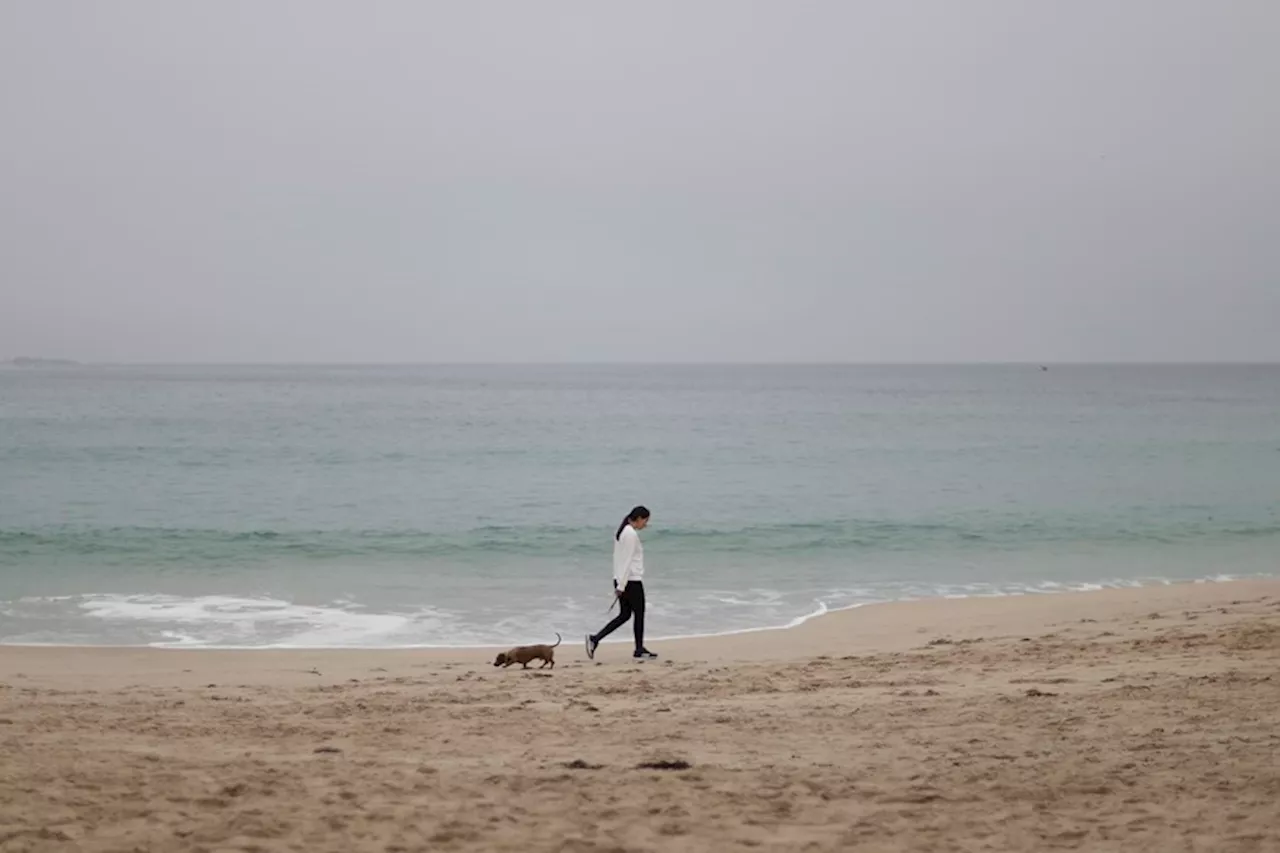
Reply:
x=660, y=181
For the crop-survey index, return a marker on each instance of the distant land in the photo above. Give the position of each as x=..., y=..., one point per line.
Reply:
x=25, y=361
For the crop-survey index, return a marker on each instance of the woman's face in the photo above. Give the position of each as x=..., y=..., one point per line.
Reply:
x=640, y=523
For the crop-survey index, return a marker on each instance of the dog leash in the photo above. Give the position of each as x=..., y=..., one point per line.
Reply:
x=616, y=599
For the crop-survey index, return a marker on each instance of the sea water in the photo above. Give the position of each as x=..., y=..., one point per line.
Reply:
x=273, y=506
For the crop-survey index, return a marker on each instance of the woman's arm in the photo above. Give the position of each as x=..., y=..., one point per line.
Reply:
x=623, y=551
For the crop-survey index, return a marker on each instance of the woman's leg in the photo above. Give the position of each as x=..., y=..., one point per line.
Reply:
x=624, y=613
x=635, y=590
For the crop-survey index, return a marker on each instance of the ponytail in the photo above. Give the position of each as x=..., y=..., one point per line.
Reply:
x=635, y=515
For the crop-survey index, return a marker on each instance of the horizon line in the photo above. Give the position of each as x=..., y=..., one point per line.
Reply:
x=63, y=362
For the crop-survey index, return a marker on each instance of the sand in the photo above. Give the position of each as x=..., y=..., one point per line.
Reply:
x=1122, y=720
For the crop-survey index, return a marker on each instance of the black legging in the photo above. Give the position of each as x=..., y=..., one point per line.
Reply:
x=630, y=603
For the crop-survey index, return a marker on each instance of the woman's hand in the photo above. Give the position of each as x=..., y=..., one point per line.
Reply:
x=617, y=592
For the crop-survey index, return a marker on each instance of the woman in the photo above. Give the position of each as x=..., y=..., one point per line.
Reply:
x=628, y=583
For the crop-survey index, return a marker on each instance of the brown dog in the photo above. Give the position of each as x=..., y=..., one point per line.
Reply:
x=524, y=654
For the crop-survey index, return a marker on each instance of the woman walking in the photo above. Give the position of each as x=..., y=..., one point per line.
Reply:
x=628, y=583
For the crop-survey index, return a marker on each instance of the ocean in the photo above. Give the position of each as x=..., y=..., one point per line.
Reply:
x=276, y=506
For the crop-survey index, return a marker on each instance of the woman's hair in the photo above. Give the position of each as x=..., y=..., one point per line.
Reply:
x=635, y=515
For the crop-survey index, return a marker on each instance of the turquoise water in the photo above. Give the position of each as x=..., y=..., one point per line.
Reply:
x=400, y=506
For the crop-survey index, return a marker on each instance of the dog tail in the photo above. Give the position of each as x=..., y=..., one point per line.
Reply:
x=557, y=642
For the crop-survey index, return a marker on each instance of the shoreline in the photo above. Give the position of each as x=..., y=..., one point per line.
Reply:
x=822, y=611
x=890, y=627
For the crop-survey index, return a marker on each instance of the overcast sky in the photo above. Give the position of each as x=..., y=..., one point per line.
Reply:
x=658, y=181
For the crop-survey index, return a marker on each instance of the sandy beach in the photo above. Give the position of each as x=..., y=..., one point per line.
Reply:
x=1137, y=719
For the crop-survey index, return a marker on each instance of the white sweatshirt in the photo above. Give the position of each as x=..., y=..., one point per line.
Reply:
x=628, y=557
